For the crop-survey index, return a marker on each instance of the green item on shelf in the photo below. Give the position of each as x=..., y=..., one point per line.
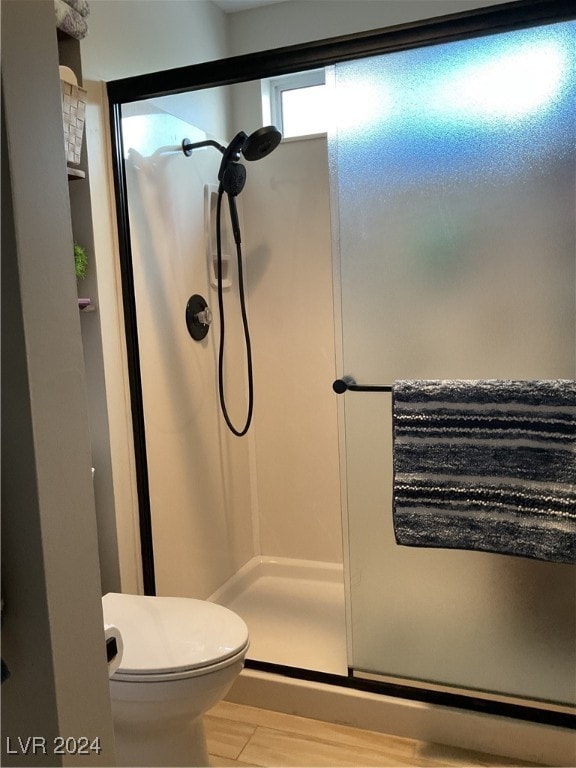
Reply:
x=80, y=261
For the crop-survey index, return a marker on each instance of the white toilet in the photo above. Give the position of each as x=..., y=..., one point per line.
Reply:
x=180, y=658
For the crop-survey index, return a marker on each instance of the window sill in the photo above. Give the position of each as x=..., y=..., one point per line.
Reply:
x=304, y=137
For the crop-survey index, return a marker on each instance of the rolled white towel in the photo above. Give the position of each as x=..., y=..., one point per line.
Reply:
x=81, y=6
x=69, y=20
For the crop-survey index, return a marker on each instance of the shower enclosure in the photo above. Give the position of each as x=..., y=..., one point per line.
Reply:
x=430, y=234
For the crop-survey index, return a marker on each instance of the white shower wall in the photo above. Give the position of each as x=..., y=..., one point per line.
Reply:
x=218, y=500
x=289, y=268
x=199, y=475
x=288, y=253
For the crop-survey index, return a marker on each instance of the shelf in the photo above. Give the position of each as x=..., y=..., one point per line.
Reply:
x=85, y=305
x=75, y=173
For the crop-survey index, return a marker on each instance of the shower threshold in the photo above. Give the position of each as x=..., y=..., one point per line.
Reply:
x=294, y=610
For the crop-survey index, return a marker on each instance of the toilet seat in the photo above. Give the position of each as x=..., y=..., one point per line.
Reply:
x=169, y=638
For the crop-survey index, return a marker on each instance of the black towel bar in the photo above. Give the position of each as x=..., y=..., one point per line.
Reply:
x=347, y=383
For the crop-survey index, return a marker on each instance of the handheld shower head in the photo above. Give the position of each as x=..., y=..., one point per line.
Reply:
x=233, y=178
x=232, y=153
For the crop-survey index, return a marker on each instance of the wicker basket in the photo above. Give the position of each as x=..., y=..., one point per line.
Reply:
x=74, y=112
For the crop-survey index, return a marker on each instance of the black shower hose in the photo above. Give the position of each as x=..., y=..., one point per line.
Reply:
x=231, y=427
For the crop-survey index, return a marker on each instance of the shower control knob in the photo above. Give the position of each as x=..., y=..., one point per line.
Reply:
x=198, y=317
x=204, y=317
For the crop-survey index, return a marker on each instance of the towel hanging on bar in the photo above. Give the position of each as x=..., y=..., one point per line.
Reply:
x=486, y=465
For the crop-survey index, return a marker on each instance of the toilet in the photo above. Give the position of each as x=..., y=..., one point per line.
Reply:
x=180, y=658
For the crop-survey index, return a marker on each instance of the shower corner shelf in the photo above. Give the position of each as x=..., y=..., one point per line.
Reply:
x=210, y=205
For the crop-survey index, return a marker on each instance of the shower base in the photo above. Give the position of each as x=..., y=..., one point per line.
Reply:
x=294, y=610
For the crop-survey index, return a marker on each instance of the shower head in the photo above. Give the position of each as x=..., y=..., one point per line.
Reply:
x=232, y=174
x=261, y=142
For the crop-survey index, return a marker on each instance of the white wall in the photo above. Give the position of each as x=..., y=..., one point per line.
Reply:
x=299, y=21
x=289, y=268
x=52, y=626
x=132, y=37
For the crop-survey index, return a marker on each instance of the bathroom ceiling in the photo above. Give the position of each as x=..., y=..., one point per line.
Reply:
x=231, y=6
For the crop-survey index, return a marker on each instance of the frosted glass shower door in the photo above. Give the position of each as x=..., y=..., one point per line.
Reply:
x=453, y=171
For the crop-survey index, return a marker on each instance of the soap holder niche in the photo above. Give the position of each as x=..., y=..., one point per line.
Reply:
x=226, y=281
x=210, y=208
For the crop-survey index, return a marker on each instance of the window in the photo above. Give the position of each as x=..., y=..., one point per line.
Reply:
x=297, y=104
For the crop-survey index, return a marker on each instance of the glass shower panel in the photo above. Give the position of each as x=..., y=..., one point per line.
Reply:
x=454, y=177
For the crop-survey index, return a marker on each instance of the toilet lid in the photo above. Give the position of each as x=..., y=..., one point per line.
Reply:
x=173, y=634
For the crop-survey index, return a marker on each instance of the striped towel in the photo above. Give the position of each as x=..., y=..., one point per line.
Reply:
x=486, y=465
